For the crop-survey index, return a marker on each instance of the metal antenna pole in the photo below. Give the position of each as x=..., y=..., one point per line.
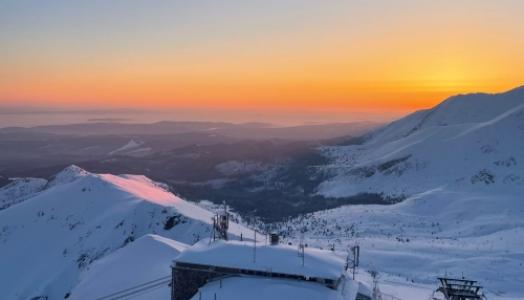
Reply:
x=214, y=228
x=303, y=255
x=255, y=248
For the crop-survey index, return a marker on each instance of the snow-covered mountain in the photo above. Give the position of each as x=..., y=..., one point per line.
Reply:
x=468, y=142
x=20, y=189
x=49, y=242
x=460, y=169
x=132, y=148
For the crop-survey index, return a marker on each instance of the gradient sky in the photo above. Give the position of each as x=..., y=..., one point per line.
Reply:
x=377, y=57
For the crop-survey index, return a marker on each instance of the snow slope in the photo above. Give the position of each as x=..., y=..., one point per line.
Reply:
x=467, y=143
x=67, y=175
x=132, y=148
x=19, y=190
x=143, y=260
x=428, y=235
x=131, y=145
x=460, y=168
x=47, y=241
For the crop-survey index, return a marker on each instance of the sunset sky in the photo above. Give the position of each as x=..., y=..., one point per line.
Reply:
x=374, y=57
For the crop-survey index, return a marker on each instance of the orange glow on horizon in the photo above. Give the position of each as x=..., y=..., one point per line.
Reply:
x=348, y=58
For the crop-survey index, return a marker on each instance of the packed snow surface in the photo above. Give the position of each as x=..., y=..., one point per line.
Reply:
x=143, y=260
x=239, y=288
x=277, y=258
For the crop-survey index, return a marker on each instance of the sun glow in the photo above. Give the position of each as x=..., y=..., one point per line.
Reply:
x=340, y=57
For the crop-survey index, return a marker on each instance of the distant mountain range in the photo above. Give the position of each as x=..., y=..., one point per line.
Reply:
x=243, y=164
x=253, y=131
x=468, y=142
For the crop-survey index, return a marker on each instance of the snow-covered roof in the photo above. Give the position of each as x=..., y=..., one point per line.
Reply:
x=142, y=261
x=234, y=288
x=278, y=258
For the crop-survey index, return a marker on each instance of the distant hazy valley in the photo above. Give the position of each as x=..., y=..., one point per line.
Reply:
x=247, y=165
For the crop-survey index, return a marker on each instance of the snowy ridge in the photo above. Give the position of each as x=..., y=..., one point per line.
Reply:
x=468, y=142
x=82, y=217
x=460, y=169
x=19, y=190
x=132, y=148
x=68, y=175
x=461, y=109
x=131, y=145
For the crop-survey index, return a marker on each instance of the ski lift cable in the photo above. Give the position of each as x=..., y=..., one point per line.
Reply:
x=135, y=292
x=133, y=287
x=150, y=290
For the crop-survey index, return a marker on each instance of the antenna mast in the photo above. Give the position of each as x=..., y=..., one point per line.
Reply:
x=221, y=224
x=254, y=239
x=301, y=246
x=353, y=259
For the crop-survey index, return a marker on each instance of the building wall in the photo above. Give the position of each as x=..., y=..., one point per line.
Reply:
x=185, y=283
x=187, y=278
